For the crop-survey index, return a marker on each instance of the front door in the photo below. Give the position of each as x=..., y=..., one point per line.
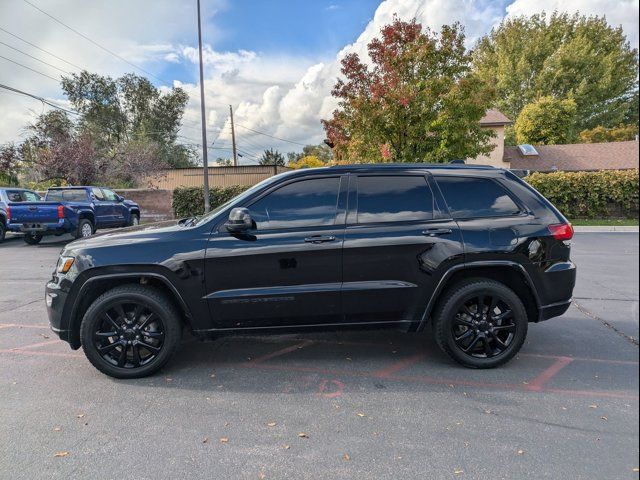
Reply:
x=398, y=243
x=288, y=270
x=103, y=209
x=119, y=210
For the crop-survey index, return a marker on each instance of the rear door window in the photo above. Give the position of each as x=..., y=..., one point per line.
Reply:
x=476, y=197
x=394, y=198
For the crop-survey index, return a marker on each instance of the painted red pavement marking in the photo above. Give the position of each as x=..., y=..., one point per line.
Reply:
x=18, y=325
x=326, y=392
x=581, y=359
x=36, y=345
x=401, y=365
x=278, y=353
x=538, y=383
x=40, y=353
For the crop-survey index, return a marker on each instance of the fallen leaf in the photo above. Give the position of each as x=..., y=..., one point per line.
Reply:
x=451, y=385
x=564, y=408
x=466, y=444
x=80, y=415
x=213, y=375
x=375, y=434
x=286, y=447
x=224, y=440
x=205, y=440
x=226, y=424
x=488, y=412
x=262, y=476
x=458, y=471
x=520, y=452
x=61, y=454
x=525, y=383
x=168, y=379
x=303, y=435
x=348, y=358
x=593, y=406
x=57, y=429
x=360, y=414
x=604, y=417
x=635, y=469
x=459, y=423
x=271, y=424
x=46, y=337
x=346, y=456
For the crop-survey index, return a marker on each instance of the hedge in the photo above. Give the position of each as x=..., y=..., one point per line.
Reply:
x=605, y=194
x=189, y=201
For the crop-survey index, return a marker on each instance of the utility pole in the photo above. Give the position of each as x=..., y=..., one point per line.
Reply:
x=205, y=158
x=233, y=138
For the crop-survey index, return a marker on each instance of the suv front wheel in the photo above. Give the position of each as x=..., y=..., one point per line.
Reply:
x=130, y=331
x=480, y=323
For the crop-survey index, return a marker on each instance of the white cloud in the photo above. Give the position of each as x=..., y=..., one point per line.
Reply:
x=617, y=12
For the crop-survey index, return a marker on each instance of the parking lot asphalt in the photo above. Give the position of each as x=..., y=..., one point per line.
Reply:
x=340, y=405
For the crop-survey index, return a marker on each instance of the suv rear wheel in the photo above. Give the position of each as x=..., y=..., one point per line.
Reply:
x=130, y=331
x=480, y=323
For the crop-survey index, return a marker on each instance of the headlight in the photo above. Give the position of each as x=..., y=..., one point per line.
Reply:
x=64, y=264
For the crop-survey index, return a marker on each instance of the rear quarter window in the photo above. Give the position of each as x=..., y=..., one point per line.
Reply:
x=476, y=197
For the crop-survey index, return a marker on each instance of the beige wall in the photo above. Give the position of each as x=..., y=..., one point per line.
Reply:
x=218, y=176
x=495, y=158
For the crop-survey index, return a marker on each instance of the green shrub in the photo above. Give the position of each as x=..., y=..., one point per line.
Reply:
x=609, y=193
x=189, y=201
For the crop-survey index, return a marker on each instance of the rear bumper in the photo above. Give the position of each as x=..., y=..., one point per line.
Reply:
x=554, y=310
x=61, y=226
x=556, y=289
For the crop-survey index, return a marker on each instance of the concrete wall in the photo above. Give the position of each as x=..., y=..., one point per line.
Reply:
x=496, y=157
x=155, y=205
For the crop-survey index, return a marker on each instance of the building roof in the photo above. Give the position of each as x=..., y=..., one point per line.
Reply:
x=494, y=118
x=576, y=157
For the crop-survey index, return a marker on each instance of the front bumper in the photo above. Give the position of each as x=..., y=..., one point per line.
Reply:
x=55, y=299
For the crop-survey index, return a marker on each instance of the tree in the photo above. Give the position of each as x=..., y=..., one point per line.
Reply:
x=602, y=134
x=116, y=111
x=9, y=163
x=322, y=152
x=547, y=122
x=419, y=101
x=562, y=56
x=272, y=157
x=309, y=161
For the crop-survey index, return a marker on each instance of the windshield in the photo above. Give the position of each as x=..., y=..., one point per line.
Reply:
x=205, y=218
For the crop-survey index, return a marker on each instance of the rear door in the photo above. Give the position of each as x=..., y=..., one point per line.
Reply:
x=120, y=212
x=103, y=208
x=288, y=270
x=398, y=243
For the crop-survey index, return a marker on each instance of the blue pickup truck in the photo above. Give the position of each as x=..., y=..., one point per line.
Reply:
x=13, y=195
x=79, y=211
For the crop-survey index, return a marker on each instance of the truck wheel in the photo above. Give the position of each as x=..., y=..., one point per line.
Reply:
x=480, y=323
x=134, y=220
x=85, y=228
x=3, y=230
x=32, y=239
x=130, y=331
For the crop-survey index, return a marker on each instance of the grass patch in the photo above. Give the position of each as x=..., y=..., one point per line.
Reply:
x=605, y=222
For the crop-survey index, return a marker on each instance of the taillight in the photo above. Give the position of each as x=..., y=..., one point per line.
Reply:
x=561, y=231
x=8, y=214
x=60, y=211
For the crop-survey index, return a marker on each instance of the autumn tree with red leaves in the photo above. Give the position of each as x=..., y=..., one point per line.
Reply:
x=417, y=100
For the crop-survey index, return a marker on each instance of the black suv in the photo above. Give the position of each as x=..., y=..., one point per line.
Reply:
x=472, y=252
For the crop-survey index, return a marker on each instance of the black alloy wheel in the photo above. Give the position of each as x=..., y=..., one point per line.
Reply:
x=130, y=331
x=480, y=323
x=129, y=335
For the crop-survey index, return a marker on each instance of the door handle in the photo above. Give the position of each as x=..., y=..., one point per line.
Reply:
x=320, y=239
x=432, y=232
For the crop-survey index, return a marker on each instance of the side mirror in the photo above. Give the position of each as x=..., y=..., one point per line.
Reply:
x=239, y=220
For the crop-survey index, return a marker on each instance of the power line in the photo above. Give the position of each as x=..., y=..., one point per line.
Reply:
x=95, y=43
x=42, y=49
x=266, y=134
x=35, y=58
x=29, y=68
x=37, y=97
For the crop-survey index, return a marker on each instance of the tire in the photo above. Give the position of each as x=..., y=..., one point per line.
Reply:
x=32, y=239
x=168, y=331
x=498, y=334
x=3, y=230
x=134, y=219
x=85, y=228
